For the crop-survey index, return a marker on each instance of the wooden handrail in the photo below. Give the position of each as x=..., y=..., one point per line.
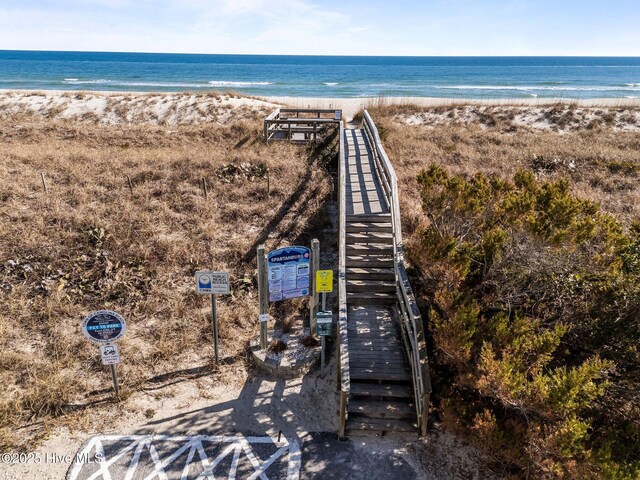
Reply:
x=279, y=126
x=309, y=110
x=410, y=319
x=344, y=378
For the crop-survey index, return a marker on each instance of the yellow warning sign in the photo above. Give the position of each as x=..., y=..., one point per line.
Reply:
x=324, y=281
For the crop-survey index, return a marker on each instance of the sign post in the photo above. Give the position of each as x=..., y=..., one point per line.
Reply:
x=324, y=318
x=111, y=357
x=105, y=327
x=263, y=296
x=315, y=254
x=213, y=283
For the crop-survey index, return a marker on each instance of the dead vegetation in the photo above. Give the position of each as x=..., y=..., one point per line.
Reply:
x=602, y=163
x=92, y=243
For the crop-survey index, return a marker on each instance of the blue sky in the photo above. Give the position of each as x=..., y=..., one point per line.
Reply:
x=347, y=27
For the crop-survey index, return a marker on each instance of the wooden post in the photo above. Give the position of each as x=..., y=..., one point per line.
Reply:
x=130, y=184
x=44, y=183
x=338, y=359
x=343, y=413
x=424, y=420
x=263, y=294
x=204, y=187
x=315, y=266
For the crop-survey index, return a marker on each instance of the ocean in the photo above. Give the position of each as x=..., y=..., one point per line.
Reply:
x=325, y=76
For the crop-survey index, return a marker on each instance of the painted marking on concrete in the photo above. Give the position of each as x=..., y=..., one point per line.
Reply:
x=163, y=457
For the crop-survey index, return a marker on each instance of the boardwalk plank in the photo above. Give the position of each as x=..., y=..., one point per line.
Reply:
x=376, y=353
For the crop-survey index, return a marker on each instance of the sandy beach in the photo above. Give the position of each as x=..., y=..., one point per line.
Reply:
x=350, y=106
x=191, y=108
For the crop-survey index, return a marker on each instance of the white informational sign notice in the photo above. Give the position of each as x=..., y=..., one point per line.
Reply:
x=214, y=283
x=264, y=317
x=110, y=354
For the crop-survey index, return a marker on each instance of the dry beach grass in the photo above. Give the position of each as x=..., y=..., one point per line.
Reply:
x=596, y=148
x=91, y=243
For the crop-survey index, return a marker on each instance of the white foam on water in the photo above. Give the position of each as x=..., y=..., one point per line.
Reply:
x=527, y=88
x=225, y=83
x=119, y=83
x=125, y=83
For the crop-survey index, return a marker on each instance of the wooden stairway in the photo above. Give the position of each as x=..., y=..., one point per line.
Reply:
x=381, y=396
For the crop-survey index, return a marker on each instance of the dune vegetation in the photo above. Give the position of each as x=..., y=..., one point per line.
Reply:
x=525, y=243
x=124, y=225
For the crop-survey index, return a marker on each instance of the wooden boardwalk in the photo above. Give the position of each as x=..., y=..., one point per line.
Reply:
x=381, y=396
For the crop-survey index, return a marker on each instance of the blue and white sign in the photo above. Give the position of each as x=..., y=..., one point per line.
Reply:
x=214, y=283
x=288, y=271
x=104, y=326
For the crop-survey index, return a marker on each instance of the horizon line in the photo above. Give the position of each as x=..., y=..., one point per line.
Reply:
x=316, y=55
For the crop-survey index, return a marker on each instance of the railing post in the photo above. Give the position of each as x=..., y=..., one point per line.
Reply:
x=343, y=413
x=424, y=421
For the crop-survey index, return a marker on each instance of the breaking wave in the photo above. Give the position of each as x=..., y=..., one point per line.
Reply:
x=124, y=83
x=527, y=88
x=224, y=83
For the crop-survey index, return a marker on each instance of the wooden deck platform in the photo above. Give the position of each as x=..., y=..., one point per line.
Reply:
x=299, y=125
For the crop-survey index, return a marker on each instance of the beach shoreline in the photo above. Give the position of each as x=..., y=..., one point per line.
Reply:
x=181, y=108
x=348, y=104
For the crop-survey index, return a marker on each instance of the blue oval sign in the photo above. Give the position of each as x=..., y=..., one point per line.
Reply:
x=104, y=326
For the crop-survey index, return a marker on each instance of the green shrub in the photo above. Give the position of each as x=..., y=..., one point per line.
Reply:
x=536, y=295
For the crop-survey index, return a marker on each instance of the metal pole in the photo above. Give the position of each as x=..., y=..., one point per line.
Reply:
x=315, y=264
x=262, y=294
x=324, y=301
x=114, y=377
x=322, y=357
x=214, y=315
